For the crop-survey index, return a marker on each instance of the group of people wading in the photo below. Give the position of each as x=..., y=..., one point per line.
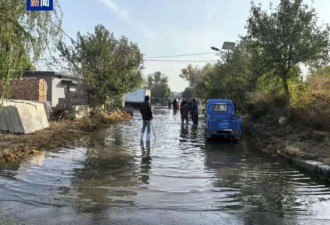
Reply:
x=187, y=108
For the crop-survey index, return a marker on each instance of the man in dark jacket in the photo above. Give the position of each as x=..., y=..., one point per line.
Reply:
x=175, y=104
x=146, y=116
x=194, y=111
x=184, y=112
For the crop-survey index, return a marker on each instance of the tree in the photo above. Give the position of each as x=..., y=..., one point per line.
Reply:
x=109, y=67
x=234, y=77
x=158, y=84
x=187, y=93
x=24, y=36
x=193, y=76
x=287, y=37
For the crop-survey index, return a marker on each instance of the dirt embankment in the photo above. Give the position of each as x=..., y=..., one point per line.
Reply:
x=300, y=142
x=59, y=134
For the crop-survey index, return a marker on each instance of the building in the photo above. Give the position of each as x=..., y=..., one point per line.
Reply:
x=60, y=86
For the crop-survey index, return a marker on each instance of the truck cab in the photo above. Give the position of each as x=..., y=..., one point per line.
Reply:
x=221, y=119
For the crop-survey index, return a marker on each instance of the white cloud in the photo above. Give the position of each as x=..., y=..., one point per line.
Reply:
x=122, y=13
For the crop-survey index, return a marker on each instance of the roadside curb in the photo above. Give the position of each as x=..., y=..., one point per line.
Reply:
x=312, y=167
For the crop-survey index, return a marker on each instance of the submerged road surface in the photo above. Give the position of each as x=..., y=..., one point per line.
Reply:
x=177, y=179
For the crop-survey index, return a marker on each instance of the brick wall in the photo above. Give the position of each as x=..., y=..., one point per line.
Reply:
x=33, y=90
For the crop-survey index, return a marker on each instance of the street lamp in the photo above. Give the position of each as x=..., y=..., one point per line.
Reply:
x=226, y=46
x=218, y=50
x=215, y=49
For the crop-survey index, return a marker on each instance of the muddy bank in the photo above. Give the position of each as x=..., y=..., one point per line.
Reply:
x=300, y=142
x=59, y=134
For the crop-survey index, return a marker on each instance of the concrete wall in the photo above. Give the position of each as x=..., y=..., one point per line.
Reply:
x=58, y=91
x=22, y=117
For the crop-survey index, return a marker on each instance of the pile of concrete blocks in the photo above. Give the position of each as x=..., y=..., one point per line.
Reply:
x=22, y=117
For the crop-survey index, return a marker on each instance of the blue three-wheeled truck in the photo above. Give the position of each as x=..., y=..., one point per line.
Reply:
x=221, y=120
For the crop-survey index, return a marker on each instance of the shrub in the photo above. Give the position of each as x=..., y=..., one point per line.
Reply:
x=311, y=107
x=102, y=119
x=262, y=103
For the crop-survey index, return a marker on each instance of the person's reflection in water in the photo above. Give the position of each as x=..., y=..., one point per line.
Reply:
x=184, y=131
x=194, y=132
x=145, y=162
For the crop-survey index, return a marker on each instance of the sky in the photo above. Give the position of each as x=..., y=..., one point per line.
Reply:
x=170, y=27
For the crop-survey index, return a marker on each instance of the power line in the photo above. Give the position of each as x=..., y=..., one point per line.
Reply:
x=154, y=58
x=170, y=56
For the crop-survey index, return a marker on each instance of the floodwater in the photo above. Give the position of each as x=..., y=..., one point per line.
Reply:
x=175, y=179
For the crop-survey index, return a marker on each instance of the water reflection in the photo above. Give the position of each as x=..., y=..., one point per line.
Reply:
x=35, y=160
x=145, y=162
x=108, y=167
x=184, y=131
x=176, y=171
x=194, y=133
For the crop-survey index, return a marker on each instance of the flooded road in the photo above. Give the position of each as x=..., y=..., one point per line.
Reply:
x=174, y=179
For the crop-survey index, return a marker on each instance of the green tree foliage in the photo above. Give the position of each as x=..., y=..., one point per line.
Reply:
x=193, y=76
x=224, y=83
x=109, y=67
x=287, y=36
x=24, y=36
x=158, y=84
x=188, y=93
x=233, y=78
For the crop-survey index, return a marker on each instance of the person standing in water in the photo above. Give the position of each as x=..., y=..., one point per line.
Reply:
x=175, y=103
x=147, y=117
x=184, y=112
x=194, y=111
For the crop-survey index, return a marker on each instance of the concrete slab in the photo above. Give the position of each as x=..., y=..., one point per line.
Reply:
x=3, y=125
x=310, y=166
x=22, y=117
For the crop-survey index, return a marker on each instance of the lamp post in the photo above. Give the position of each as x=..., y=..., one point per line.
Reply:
x=215, y=49
x=218, y=50
x=226, y=46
